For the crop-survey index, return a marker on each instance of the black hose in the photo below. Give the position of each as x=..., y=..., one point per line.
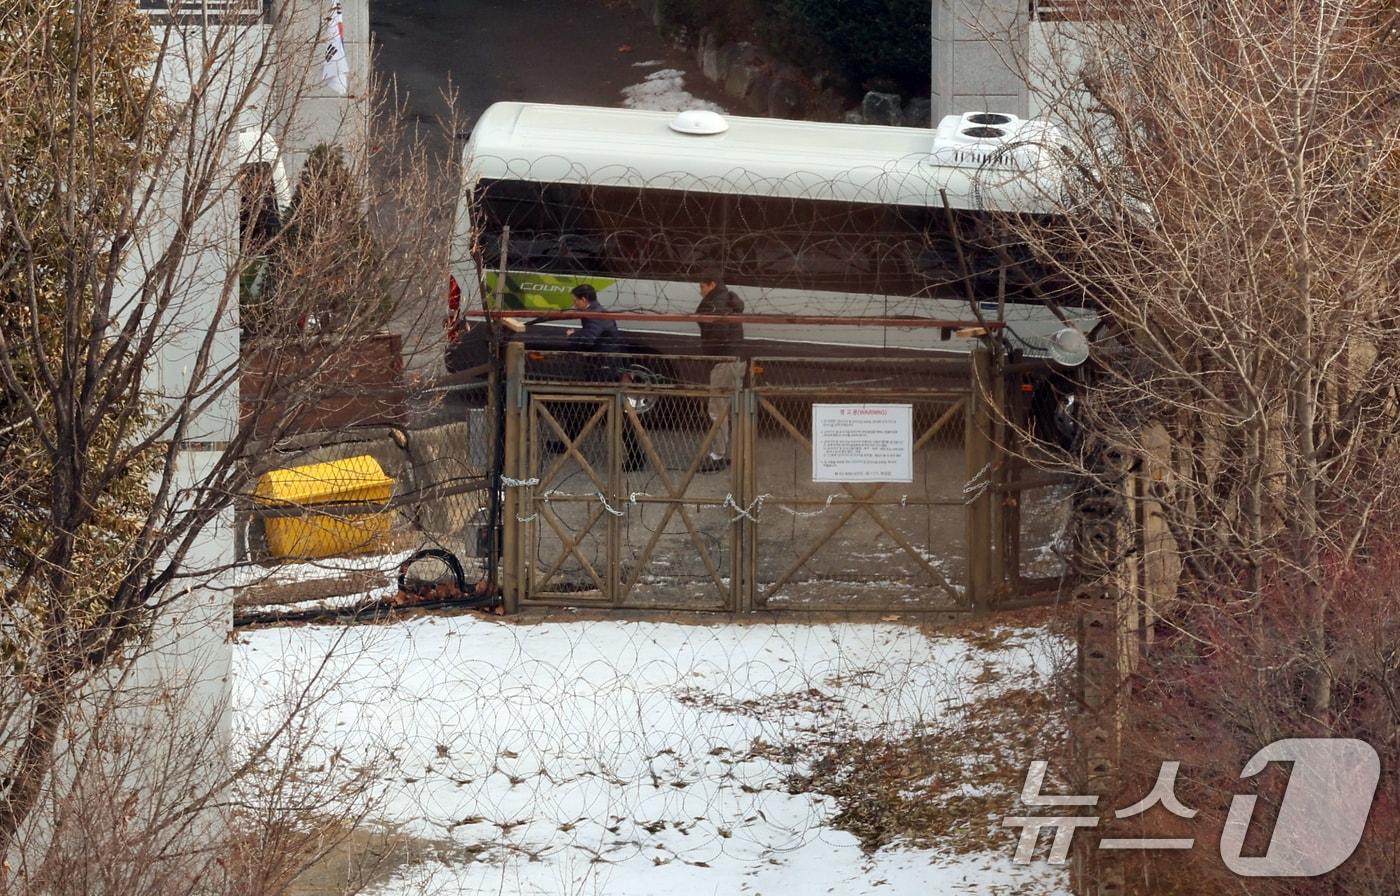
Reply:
x=446, y=556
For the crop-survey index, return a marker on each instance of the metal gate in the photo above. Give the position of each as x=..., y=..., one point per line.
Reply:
x=874, y=546
x=606, y=505
x=608, y=500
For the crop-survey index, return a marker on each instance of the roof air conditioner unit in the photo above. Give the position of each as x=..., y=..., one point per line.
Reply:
x=990, y=140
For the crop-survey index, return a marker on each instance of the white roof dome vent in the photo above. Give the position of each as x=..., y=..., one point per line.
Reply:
x=990, y=140
x=699, y=123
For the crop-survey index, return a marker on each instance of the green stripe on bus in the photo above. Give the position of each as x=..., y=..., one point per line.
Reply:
x=541, y=292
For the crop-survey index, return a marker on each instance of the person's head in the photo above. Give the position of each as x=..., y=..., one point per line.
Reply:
x=710, y=279
x=584, y=294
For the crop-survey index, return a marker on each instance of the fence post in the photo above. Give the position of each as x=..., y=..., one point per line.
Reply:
x=982, y=547
x=616, y=488
x=744, y=451
x=1103, y=540
x=511, y=467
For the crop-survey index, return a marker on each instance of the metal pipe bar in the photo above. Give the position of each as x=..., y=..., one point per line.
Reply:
x=819, y=392
x=359, y=508
x=1030, y=482
x=886, y=502
x=781, y=319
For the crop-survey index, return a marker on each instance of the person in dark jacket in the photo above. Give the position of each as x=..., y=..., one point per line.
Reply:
x=600, y=337
x=594, y=334
x=725, y=339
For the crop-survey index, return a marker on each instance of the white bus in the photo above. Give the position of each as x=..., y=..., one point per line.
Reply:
x=803, y=218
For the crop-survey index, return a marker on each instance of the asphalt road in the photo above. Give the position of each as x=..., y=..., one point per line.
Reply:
x=549, y=51
x=484, y=51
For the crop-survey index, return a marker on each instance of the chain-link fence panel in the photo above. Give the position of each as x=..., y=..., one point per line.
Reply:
x=1038, y=540
x=376, y=488
x=687, y=482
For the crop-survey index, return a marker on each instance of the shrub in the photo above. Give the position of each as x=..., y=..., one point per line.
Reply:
x=869, y=43
x=865, y=41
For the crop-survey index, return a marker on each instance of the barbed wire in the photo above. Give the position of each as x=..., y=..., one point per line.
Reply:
x=637, y=744
x=838, y=242
x=849, y=240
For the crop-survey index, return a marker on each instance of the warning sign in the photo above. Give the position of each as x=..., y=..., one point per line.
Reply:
x=862, y=443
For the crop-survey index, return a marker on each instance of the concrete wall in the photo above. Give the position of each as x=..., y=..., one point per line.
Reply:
x=191, y=642
x=155, y=729
x=168, y=707
x=1055, y=54
x=976, y=48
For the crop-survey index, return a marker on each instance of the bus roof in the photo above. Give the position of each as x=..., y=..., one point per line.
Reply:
x=754, y=156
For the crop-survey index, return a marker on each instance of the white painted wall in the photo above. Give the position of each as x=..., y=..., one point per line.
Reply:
x=168, y=706
x=1055, y=54
x=190, y=653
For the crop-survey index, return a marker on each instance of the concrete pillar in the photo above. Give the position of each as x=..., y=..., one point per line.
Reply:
x=320, y=115
x=977, y=50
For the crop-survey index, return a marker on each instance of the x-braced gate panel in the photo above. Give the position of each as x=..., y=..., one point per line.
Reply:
x=866, y=545
x=852, y=545
x=613, y=508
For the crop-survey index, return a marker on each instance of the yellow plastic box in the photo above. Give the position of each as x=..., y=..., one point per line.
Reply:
x=310, y=536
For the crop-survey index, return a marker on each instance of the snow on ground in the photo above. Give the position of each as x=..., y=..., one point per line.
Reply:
x=664, y=91
x=287, y=573
x=635, y=757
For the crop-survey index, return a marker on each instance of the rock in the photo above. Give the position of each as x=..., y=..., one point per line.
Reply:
x=853, y=116
x=758, y=89
x=709, y=54
x=739, y=79
x=725, y=56
x=918, y=112
x=743, y=68
x=786, y=98
x=881, y=108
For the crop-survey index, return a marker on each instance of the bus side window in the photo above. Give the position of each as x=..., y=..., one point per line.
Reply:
x=618, y=229
x=623, y=250
x=763, y=255
x=548, y=228
x=841, y=261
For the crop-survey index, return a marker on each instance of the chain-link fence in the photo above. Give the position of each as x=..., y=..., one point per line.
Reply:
x=690, y=483
x=860, y=545
x=378, y=489
x=617, y=501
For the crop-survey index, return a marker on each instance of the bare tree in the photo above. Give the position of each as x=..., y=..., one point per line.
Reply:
x=1231, y=209
x=138, y=162
x=1230, y=205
